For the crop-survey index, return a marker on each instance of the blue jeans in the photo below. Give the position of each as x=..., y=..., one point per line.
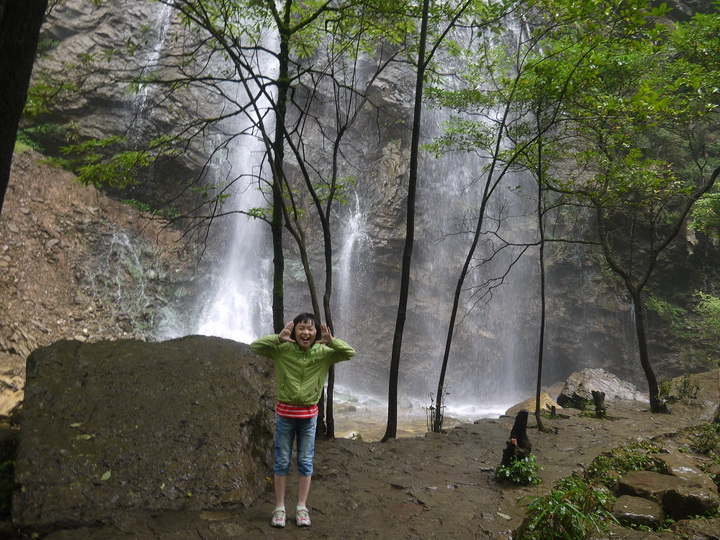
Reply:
x=286, y=430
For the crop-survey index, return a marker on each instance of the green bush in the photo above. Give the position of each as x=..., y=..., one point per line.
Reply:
x=683, y=388
x=686, y=388
x=573, y=510
x=606, y=468
x=704, y=439
x=520, y=471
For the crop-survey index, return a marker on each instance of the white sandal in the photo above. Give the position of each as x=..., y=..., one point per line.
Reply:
x=302, y=517
x=278, y=518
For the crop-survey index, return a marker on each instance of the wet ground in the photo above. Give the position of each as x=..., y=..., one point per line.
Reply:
x=429, y=486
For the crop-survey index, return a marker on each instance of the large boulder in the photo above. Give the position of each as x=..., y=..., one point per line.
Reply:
x=180, y=424
x=546, y=405
x=581, y=384
x=680, y=498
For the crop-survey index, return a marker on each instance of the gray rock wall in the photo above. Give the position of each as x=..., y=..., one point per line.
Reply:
x=181, y=424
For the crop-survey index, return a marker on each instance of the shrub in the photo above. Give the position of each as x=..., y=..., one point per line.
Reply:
x=704, y=439
x=572, y=510
x=606, y=468
x=686, y=388
x=520, y=471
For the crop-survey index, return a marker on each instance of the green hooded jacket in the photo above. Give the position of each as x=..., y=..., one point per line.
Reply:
x=300, y=375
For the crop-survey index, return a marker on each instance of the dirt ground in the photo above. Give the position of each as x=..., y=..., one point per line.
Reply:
x=73, y=265
x=431, y=486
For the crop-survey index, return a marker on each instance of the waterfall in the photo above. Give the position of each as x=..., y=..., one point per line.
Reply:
x=493, y=358
x=158, y=37
x=141, y=108
x=240, y=305
x=494, y=349
x=352, y=266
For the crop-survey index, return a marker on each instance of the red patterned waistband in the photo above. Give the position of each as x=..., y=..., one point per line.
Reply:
x=288, y=410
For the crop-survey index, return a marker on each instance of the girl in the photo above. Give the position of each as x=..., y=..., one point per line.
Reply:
x=303, y=352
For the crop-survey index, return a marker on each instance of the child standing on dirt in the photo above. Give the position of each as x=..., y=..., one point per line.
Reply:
x=303, y=352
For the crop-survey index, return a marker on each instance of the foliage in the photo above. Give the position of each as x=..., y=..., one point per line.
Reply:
x=22, y=141
x=705, y=439
x=674, y=314
x=107, y=162
x=43, y=93
x=573, y=509
x=608, y=467
x=601, y=413
x=665, y=390
x=686, y=387
x=34, y=136
x=520, y=471
x=705, y=217
x=168, y=213
x=578, y=402
x=709, y=309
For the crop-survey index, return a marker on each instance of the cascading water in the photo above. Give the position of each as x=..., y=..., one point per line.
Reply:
x=493, y=359
x=240, y=307
x=352, y=266
x=493, y=348
x=158, y=37
x=141, y=108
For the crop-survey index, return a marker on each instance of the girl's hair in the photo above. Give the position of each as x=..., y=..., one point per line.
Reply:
x=305, y=317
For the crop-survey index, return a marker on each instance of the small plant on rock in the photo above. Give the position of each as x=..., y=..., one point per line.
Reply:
x=578, y=402
x=683, y=388
x=608, y=467
x=705, y=439
x=686, y=388
x=432, y=413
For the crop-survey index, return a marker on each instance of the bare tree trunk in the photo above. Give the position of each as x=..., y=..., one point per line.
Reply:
x=656, y=405
x=599, y=399
x=391, y=429
x=541, y=344
x=277, y=162
x=20, y=23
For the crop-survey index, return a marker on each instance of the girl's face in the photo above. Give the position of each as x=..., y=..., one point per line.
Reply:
x=305, y=333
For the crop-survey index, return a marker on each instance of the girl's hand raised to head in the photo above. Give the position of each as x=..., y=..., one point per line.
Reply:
x=286, y=333
x=326, y=334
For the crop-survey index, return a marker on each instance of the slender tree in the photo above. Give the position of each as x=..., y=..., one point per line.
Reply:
x=391, y=428
x=485, y=14
x=558, y=82
x=649, y=125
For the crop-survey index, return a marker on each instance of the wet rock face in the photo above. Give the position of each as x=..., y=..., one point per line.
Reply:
x=181, y=424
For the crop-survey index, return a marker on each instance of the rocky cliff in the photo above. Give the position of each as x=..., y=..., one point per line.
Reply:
x=589, y=316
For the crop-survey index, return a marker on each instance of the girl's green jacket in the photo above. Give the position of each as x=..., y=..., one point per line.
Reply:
x=300, y=375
